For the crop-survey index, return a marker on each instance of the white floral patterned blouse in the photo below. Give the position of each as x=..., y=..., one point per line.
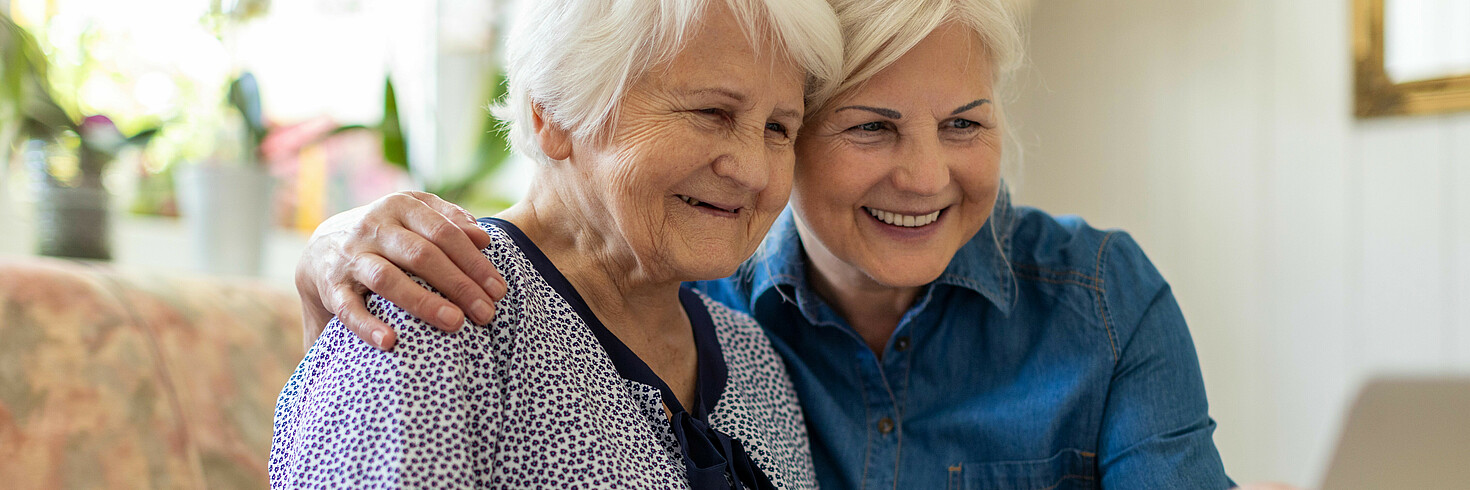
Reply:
x=542, y=397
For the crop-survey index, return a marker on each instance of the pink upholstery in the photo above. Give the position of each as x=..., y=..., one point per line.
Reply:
x=125, y=380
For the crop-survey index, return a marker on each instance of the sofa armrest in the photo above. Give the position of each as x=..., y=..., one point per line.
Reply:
x=124, y=379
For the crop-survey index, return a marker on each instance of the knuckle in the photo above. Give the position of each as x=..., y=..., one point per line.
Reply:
x=418, y=253
x=427, y=305
x=400, y=197
x=441, y=231
x=464, y=290
x=343, y=307
x=373, y=274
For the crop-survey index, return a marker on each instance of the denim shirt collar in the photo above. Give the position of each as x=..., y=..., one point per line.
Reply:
x=981, y=265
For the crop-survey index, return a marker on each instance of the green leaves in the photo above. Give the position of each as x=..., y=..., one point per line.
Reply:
x=491, y=152
x=395, y=147
x=244, y=95
x=25, y=88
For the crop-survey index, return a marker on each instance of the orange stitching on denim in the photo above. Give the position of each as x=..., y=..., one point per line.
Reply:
x=1102, y=297
x=1100, y=248
x=1058, y=272
x=1102, y=312
x=1056, y=281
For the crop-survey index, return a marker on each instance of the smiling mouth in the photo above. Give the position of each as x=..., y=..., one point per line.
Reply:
x=903, y=220
x=701, y=204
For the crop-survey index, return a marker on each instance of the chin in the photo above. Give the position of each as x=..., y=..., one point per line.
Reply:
x=910, y=277
x=696, y=265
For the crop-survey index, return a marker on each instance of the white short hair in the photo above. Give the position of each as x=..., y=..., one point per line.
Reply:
x=576, y=59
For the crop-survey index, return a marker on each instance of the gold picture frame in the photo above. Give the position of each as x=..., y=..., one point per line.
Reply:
x=1375, y=94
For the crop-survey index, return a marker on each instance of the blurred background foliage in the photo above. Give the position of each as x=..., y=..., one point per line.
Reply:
x=227, y=81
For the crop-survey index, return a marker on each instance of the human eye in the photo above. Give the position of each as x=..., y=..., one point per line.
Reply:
x=715, y=113
x=777, y=128
x=869, y=127
x=962, y=124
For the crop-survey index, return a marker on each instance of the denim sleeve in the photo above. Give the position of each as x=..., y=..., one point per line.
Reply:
x=1156, y=428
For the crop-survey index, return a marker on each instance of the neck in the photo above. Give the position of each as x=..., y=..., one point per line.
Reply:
x=871, y=308
x=636, y=300
x=577, y=235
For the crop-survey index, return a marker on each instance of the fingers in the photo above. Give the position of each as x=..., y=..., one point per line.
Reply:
x=381, y=276
x=472, y=262
x=314, y=313
x=314, y=319
x=458, y=215
x=428, y=244
x=353, y=313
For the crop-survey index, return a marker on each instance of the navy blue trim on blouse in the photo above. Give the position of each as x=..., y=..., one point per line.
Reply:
x=710, y=456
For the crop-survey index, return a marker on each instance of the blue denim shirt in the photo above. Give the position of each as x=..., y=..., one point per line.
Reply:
x=1049, y=355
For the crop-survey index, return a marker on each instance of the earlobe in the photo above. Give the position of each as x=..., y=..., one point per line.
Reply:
x=554, y=141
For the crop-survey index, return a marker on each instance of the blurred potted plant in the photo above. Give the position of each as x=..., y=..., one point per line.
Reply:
x=226, y=199
x=66, y=156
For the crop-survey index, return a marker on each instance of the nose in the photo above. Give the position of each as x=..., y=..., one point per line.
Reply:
x=746, y=162
x=923, y=168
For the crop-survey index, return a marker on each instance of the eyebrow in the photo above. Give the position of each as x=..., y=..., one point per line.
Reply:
x=969, y=106
x=788, y=113
x=728, y=93
x=888, y=113
x=740, y=98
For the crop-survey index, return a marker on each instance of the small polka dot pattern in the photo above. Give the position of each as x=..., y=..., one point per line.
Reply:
x=530, y=400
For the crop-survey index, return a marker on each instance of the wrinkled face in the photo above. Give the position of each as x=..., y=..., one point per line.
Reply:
x=700, y=160
x=903, y=170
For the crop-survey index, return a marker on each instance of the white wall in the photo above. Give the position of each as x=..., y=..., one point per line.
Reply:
x=1308, y=249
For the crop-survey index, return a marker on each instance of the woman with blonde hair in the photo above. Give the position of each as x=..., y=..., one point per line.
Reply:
x=937, y=336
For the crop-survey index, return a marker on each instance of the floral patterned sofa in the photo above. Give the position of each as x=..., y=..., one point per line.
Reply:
x=114, y=379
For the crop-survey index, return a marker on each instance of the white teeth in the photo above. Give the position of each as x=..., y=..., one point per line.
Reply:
x=903, y=220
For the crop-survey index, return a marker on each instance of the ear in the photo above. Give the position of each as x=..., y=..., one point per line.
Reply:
x=554, y=141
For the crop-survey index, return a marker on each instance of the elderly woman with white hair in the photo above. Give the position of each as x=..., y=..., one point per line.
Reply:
x=666, y=133
x=937, y=336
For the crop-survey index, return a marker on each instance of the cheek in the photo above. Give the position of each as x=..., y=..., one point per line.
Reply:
x=979, y=176
x=839, y=178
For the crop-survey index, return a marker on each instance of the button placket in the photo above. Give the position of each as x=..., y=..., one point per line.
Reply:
x=885, y=425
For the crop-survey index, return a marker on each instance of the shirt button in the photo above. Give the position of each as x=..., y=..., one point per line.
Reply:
x=885, y=425
x=901, y=344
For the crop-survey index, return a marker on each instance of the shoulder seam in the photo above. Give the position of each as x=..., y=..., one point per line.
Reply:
x=1102, y=295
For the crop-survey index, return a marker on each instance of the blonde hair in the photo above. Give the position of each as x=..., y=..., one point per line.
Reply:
x=878, y=33
x=576, y=59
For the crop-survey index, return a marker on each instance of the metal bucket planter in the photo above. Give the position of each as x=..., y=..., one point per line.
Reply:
x=71, y=221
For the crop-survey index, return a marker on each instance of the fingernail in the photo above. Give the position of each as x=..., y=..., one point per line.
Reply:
x=493, y=284
x=378, y=336
x=481, y=310
x=449, y=317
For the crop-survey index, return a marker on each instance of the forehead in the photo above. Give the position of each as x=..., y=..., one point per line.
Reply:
x=719, y=56
x=949, y=63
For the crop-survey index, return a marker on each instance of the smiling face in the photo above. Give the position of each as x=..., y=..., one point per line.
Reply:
x=699, y=163
x=900, y=172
